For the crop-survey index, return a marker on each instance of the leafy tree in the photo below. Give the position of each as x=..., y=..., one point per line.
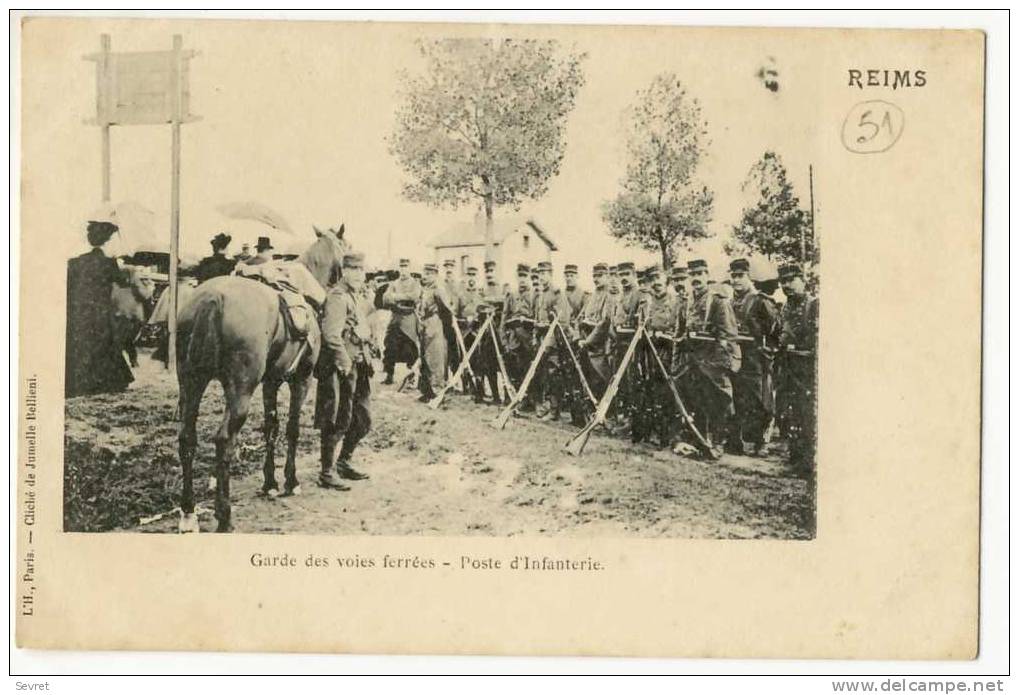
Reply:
x=485, y=121
x=661, y=206
x=773, y=223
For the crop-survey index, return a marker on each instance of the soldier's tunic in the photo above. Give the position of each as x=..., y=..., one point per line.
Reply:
x=401, y=297
x=434, y=312
x=517, y=332
x=654, y=407
x=711, y=355
x=576, y=298
x=484, y=361
x=625, y=318
x=452, y=289
x=594, y=326
x=549, y=382
x=213, y=266
x=342, y=398
x=796, y=377
x=753, y=390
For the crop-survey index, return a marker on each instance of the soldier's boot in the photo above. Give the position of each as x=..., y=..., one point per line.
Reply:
x=389, y=376
x=479, y=389
x=344, y=470
x=326, y=477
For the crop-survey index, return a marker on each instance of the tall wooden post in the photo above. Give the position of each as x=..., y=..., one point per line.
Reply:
x=171, y=319
x=105, y=58
x=803, y=243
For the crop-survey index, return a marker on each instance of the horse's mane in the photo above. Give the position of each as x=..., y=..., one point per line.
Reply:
x=323, y=258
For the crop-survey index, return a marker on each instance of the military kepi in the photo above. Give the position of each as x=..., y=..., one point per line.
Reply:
x=739, y=265
x=523, y=269
x=353, y=260
x=789, y=270
x=570, y=268
x=697, y=264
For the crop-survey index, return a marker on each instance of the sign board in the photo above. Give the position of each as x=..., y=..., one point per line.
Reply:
x=138, y=88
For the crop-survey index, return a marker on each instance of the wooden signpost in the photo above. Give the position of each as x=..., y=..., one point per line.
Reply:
x=147, y=88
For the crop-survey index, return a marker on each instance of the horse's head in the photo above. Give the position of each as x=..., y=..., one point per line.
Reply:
x=324, y=258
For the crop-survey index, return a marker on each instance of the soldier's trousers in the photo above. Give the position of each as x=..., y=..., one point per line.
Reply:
x=797, y=402
x=707, y=394
x=398, y=348
x=342, y=407
x=754, y=402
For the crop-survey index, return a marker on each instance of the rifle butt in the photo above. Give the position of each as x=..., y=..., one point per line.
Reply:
x=437, y=401
x=575, y=447
x=502, y=418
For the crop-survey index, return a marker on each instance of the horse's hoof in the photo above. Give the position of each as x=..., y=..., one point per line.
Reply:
x=272, y=493
x=295, y=491
x=212, y=483
x=188, y=523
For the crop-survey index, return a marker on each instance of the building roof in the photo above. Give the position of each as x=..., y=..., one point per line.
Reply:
x=473, y=233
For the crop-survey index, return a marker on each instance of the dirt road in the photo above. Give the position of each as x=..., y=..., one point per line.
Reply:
x=442, y=472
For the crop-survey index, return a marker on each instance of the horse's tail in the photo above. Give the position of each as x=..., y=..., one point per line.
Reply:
x=200, y=338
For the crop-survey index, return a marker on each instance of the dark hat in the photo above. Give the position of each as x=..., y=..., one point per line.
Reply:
x=489, y=265
x=430, y=268
x=625, y=266
x=739, y=265
x=100, y=231
x=613, y=270
x=653, y=272
x=449, y=263
x=220, y=241
x=350, y=260
x=544, y=265
x=789, y=270
x=599, y=268
x=472, y=270
x=416, y=275
x=404, y=262
x=696, y=264
x=263, y=244
x=523, y=269
x=570, y=268
x=677, y=271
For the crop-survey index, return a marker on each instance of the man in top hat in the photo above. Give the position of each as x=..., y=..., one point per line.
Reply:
x=263, y=252
x=484, y=362
x=434, y=312
x=342, y=398
x=753, y=390
x=94, y=362
x=401, y=343
x=711, y=355
x=594, y=327
x=797, y=373
x=217, y=264
x=517, y=329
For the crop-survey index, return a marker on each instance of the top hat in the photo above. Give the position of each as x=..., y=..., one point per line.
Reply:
x=263, y=244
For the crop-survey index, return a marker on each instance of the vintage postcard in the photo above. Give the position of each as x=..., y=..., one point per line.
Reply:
x=503, y=339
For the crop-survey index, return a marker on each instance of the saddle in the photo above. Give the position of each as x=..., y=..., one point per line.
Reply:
x=297, y=290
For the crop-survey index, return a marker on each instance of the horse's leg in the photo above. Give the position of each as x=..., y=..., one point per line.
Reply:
x=271, y=427
x=238, y=401
x=191, y=391
x=298, y=392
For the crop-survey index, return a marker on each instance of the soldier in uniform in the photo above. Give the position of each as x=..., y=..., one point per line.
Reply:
x=433, y=312
x=753, y=394
x=797, y=373
x=549, y=380
x=217, y=264
x=594, y=326
x=451, y=286
x=711, y=355
x=401, y=298
x=342, y=407
x=657, y=409
x=625, y=318
x=466, y=311
x=484, y=362
x=575, y=295
x=517, y=329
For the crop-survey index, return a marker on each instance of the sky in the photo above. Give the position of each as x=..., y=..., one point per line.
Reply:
x=295, y=116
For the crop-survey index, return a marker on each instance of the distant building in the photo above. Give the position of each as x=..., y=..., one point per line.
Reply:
x=516, y=240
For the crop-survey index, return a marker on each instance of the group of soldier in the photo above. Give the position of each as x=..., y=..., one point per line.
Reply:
x=739, y=363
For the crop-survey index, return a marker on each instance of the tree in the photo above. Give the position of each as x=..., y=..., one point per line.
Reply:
x=773, y=223
x=485, y=121
x=661, y=206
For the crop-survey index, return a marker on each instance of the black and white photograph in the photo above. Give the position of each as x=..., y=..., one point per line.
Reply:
x=563, y=304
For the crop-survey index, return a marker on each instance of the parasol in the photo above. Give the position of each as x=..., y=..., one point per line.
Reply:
x=250, y=210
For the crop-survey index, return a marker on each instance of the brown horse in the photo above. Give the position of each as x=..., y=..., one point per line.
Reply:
x=232, y=331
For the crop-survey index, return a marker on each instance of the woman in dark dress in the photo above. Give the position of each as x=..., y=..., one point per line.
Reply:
x=94, y=364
